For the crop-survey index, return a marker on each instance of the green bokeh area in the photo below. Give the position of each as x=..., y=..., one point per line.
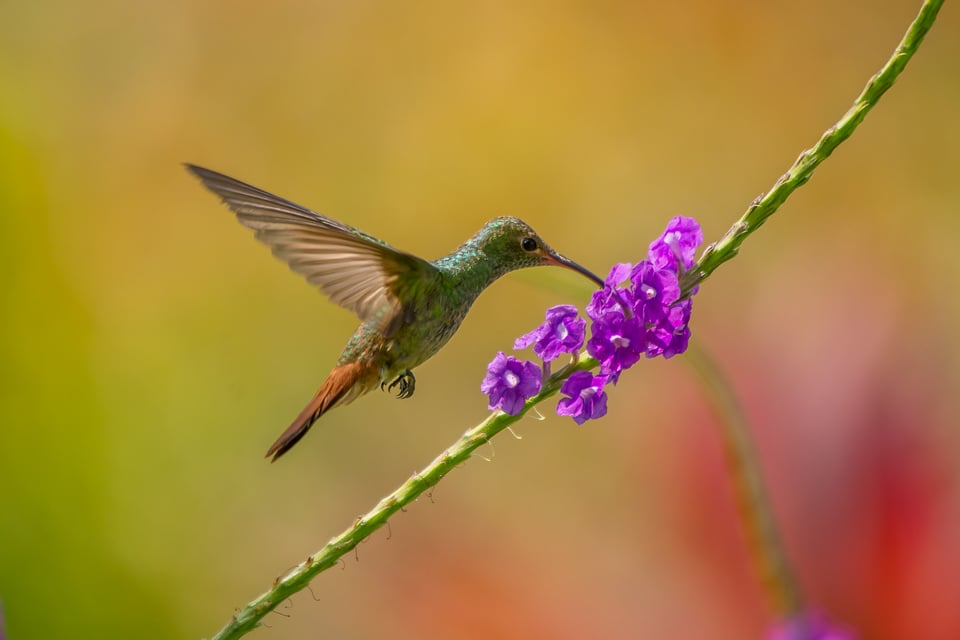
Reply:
x=151, y=349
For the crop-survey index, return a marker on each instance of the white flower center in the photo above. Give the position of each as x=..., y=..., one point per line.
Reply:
x=511, y=379
x=561, y=331
x=620, y=342
x=649, y=292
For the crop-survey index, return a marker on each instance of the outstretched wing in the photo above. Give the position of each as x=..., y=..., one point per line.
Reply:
x=353, y=269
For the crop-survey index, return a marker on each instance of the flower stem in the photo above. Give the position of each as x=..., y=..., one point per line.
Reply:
x=248, y=618
x=765, y=205
x=756, y=516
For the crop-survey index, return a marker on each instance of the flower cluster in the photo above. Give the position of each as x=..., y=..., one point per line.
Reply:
x=638, y=312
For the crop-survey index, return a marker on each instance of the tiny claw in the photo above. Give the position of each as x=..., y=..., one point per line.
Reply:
x=407, y=383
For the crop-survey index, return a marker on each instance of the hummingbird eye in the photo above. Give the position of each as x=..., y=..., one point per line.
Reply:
x=528, y=244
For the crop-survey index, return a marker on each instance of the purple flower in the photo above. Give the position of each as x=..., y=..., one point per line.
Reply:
x=586, y=400
x=563, y=332
x=610, y=298
x=670, y=335
x=808, y=626
x=677, y=244
x=665, y=320
x=654, y=290
x=510, y=383
x=617, y=342
x=618, y=274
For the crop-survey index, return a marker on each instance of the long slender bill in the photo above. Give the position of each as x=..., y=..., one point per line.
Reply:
x=559, y=260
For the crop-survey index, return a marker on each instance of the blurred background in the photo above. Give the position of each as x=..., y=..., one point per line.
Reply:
x=151, y=349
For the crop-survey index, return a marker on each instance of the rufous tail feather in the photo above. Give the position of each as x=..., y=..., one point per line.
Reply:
x=341, y=386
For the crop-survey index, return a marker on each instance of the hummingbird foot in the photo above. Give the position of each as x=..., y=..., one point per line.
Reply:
x=406, y=383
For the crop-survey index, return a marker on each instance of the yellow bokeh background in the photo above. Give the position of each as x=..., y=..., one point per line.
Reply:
x=151, y=350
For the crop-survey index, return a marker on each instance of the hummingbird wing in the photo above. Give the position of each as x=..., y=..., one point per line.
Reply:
x=355, y=270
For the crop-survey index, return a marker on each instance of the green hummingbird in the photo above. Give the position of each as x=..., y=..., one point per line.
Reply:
x=408, y=307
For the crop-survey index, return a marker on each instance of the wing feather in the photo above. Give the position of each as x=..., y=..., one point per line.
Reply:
x=353, y=269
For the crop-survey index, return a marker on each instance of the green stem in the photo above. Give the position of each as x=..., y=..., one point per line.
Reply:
x=756, y=516
x=801, y=171
x=249, y=617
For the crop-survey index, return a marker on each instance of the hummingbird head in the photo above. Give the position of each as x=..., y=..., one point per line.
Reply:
x=512, y=244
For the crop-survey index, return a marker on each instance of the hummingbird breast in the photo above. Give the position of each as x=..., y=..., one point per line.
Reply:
x=425, y=325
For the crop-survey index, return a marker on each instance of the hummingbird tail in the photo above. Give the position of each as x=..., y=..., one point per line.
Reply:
x=341, y=386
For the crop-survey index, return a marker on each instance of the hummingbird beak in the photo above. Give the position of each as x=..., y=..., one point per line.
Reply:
x=559, y=260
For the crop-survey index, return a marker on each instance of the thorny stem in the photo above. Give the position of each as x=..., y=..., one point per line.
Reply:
x=249, y=617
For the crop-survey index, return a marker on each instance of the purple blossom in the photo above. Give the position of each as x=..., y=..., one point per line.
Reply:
x=562, y=332
x=617, y=342
x=677, y=244
x=510, y=383
x=618, y=274
x=610, y=298
x=808, y=626
x=654, y=290
x=586, y=400
x=607, y=300
x=670, y=335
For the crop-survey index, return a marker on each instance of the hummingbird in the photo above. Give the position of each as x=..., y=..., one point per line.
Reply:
x=408, y=307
